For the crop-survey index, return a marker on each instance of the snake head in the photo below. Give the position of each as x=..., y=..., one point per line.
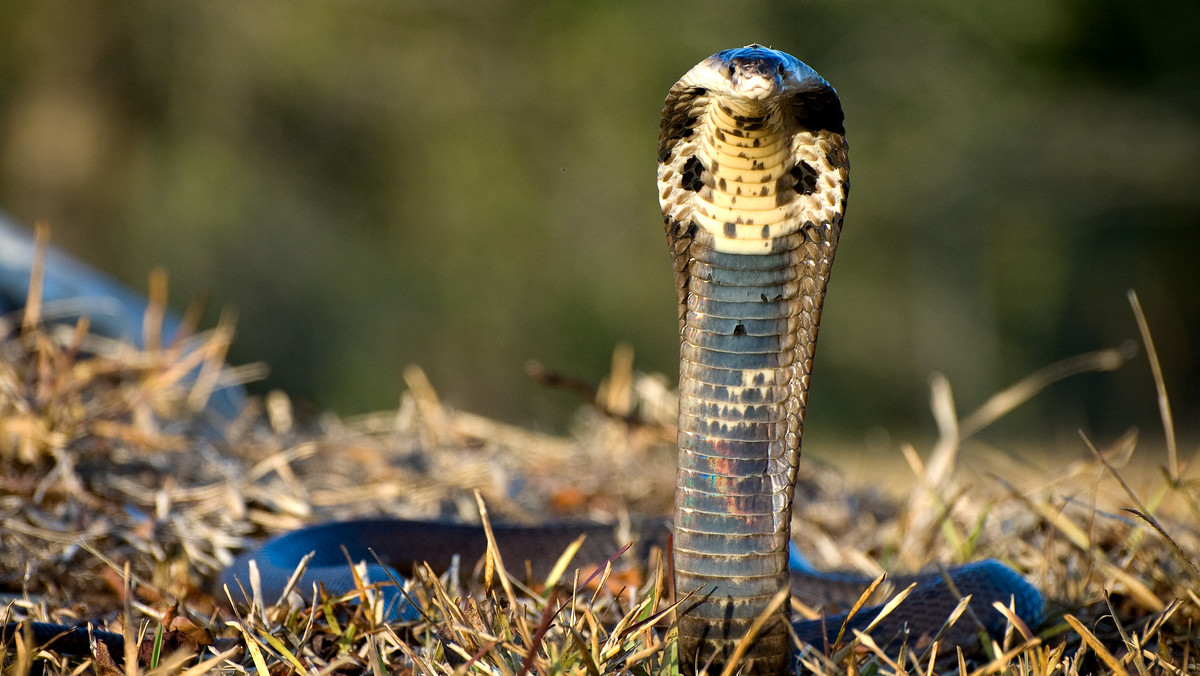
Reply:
x=757, y=73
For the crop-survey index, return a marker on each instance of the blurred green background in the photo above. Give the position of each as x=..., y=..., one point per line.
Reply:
x=469, y=185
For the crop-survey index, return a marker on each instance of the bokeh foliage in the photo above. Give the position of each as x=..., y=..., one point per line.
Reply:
x=466, y=186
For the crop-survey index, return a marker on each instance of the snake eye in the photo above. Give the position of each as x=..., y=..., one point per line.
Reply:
x=731, y=70
x=779, y=69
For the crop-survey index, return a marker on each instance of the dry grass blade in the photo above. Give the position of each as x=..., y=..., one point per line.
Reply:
x=156, y=310
x=455, y=623
x=942, y=458
x=1137, y=589
x=1014, y=619
x=869, y=643
x=1063, y=523
x=858, y=605
x=1159, y=662
x=1178, y=550
x=373, y=656
x=743, y=645
x=33, y=300
x=209, y=665
x=1097, y=558
x=179, y=369
x=1004, y=662
x=1161, y=619
x=1096, y=645
x=951, y=620
x=214, y=351
x=495, y=561
x=1111, y=470
x=281, y=649
x=292, y=582
x=1133, y=648
x=931, y=658
x=564, y=560
x=252, y=646
x=127, y=622
x=587, y=652
x=1160, y=385
x=891, y=605
x=1003, y=402
x=428, y=402
x=24, y=644
x=1141, y=511
x=539, y=635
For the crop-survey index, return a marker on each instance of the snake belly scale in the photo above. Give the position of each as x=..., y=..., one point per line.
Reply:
x=753, y=178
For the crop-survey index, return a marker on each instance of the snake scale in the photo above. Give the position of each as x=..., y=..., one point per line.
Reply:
x=753, y=179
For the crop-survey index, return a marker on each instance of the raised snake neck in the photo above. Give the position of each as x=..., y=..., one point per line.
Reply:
x=753, y=180
x=753, y=177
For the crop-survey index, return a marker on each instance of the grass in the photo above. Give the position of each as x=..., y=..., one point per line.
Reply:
x=120, y=499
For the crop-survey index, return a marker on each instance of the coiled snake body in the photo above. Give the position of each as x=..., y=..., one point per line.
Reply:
x=753, y=176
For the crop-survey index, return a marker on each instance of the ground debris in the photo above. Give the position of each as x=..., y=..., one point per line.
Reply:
x=120, y=500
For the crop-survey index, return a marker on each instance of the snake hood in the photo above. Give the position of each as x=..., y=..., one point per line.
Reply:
x=751, y=147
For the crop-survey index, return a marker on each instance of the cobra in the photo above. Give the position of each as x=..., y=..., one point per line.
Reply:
x=753, y=176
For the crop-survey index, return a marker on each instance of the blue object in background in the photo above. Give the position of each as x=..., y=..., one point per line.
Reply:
x=72, y=289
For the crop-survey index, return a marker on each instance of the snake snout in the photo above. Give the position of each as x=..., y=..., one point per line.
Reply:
x=755, y=79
